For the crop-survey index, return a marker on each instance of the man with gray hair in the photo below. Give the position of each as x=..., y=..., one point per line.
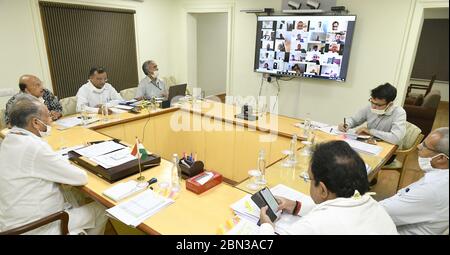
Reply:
x=422, y=207
x=151, y=86
x=31, y=174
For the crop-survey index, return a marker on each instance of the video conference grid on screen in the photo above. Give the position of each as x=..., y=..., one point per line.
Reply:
x=306, y=46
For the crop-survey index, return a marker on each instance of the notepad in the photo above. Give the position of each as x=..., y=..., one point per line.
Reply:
x=124, y=190
x=134, y=211
x=99, y=149
x=364, y=147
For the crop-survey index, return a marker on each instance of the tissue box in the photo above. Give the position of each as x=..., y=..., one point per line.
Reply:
x=193, y=184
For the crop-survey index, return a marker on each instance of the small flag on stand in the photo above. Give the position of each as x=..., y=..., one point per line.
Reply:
x=139, y=151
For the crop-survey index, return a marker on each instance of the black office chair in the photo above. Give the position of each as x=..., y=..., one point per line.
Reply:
x=61, y=215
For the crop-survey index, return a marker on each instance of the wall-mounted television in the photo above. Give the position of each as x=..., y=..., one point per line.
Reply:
x=304, y=46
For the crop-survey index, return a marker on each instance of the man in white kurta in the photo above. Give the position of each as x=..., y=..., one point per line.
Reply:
x=97, y=92
x=338, y=176
x=31, y=174
x=422, y=207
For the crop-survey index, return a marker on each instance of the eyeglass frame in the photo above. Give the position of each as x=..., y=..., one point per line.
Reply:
x=379, y=105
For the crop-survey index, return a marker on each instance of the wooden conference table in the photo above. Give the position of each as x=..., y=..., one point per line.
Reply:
x=225, y=144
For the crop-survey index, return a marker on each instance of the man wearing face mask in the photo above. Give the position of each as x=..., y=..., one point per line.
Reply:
x=32, y=85
x=384, y=120
x=30, y=183
x=422, y=207
x=151, y=86
x=339, y=189
x=97, y=92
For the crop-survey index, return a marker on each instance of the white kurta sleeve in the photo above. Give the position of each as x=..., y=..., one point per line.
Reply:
x=50, y=166
x=116, y=98
x=82, y=99
x=410, y=207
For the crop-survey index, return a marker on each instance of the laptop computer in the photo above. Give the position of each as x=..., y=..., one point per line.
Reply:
x=174, y=91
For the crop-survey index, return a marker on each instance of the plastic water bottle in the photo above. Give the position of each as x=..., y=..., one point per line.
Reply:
x=105, y=112
x=293, y=149
x=84, y=115
x=176, y=174
x=262, y=167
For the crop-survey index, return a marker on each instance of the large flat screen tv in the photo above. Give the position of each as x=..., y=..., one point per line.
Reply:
x=304, y=46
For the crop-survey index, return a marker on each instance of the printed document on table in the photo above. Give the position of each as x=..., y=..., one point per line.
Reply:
x=364, y=147
x=99, y=149
x=136, y=210
x=65, y=123
x=115, y=158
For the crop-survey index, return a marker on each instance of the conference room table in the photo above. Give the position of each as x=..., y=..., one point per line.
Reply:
x=226, y=144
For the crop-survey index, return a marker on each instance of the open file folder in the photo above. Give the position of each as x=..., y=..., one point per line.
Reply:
x=136, y=210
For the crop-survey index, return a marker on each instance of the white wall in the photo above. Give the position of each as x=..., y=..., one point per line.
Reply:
x=375, y=58
x=211, y=52
x=376, y=54
x=23, y=48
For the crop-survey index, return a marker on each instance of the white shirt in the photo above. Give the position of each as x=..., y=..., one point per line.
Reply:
x=422, y=207
x=148, y=88
x=391, y=126
x=90, y=96
x=342, y=216
x=30, y=174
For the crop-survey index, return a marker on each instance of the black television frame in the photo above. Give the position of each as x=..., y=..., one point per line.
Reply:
x=345, y=57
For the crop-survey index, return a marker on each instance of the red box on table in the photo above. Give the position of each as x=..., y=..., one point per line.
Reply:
x=197, y=188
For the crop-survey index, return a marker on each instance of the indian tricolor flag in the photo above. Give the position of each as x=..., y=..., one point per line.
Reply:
x=139, y=151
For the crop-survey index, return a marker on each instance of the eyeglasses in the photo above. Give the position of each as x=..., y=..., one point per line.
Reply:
x=379, y=105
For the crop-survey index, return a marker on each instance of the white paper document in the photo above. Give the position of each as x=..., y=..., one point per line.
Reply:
x=134, y=211
x=65, y=152
x=115, y=158
x=364, y=147
x=246, y=209
x=204, y=178
x=123, y=190
x=314, y=125
x=65, y=123
x=99, y=149
x=124, y=107
x=244, y=227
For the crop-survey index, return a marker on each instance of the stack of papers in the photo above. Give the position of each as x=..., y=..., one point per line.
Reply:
x=124, y=107
x=65, y=123
x=134, y=211
x=244, y=227
x=99, y=149
x=314, y=125
x=123, y=190
x=114, y=159
x=65, y=152
x=248, y=211
x=364, y=147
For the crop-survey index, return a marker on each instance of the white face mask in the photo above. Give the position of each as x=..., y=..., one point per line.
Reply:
x=376, y=111
x=47, y=131
x=99, y=91
x=425, y=163
x=155, y=74
x=380, y=112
